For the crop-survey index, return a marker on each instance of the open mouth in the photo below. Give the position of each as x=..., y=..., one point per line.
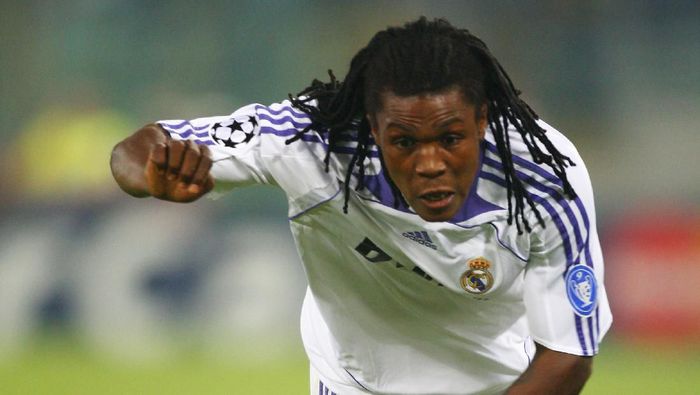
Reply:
x=437, y=200
x=436, y=205
x=436, y=196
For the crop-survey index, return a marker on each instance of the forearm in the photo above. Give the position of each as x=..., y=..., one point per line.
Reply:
x=553, y=372
x=130, y=156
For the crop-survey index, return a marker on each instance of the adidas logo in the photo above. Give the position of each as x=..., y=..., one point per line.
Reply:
x=420, y=237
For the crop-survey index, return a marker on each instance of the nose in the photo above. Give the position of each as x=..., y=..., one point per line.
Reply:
x=429, y=162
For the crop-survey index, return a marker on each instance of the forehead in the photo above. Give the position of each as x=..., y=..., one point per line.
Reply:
x=424, y=106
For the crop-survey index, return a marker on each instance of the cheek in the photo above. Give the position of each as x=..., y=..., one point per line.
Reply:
x=397, y=169
x=467, y=167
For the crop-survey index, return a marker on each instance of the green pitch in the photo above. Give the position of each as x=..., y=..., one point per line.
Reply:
x=64, y=368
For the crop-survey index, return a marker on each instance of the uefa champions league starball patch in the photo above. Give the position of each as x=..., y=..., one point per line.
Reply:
x=582, y=289
x=477, y=279
x=234, y=132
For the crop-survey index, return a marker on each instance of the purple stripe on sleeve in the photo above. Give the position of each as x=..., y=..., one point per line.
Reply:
x=199, y=141
x=563, y=203
x=528, y=165
x=277, y=132
x=553, y=179
x=320, y=387
x=556, y=195
x=566, y=243
x=351, y=151
x=560, y=226
x=309, y=137
x=583, y=246
x=313, y=138
x=592, y=335
x=586, y=223
x=183, y=123
x=285, y=109
x=281, y=121
x=542, y=201
x=266, y=112
x=579, y=330
x=582, y=209
x=560, y=199
x=189, y=132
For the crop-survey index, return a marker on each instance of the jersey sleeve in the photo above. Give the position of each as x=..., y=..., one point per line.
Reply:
x=234, y=142
x=251, y=146
x=564, y=292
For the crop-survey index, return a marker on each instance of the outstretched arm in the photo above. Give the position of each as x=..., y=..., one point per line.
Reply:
x=553, y=372
x=150, y=163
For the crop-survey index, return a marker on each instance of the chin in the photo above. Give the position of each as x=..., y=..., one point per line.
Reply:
x=436, y=217
x=441, y=213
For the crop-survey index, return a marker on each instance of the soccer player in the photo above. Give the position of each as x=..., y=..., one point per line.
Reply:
x=447, y=233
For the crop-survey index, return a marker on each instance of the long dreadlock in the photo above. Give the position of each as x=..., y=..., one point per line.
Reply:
x=426, y=57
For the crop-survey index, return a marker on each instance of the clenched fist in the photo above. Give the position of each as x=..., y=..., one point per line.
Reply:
x=178, y=171
x=150, y=163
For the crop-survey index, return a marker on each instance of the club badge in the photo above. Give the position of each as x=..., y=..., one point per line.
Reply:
x=477, y=279
x=582, y=289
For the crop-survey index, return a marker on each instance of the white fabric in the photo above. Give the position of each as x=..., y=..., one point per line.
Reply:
x=323, y=386
x=386, y=309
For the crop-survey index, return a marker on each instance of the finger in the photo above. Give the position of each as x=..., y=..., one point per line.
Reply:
x=206, y=186
x=190, y=162
x=159, y=157
x=176, y=149
x=155, y=170
x=203, y=167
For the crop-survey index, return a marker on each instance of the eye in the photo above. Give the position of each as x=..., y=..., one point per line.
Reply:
x=404, y=142
x=450, y=139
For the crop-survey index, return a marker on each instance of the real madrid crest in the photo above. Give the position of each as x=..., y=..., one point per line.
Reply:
x=477, y=279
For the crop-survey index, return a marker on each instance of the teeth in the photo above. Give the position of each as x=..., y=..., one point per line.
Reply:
x=436, y=196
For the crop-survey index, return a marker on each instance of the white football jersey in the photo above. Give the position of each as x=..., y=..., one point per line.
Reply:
x=398, y=305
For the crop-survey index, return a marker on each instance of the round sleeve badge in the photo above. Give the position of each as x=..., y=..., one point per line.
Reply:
x=582, y=289
x=234, y=132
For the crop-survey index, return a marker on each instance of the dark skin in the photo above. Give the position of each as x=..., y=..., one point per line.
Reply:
x=553, y=372
x=150, y=163
x=430, y=145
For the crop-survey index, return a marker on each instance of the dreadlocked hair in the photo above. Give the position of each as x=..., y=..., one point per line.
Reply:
x=429, y=57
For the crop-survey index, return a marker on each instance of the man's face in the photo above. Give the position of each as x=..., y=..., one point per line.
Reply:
x=430, y=144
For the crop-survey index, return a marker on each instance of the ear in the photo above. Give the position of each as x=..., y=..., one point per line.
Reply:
x=483, y=120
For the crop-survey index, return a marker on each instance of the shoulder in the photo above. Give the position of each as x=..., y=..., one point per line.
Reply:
x=281, y=119
x=537, y=177
x=568, y=220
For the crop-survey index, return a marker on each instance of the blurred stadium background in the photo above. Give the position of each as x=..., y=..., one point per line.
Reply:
x=102, y=293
